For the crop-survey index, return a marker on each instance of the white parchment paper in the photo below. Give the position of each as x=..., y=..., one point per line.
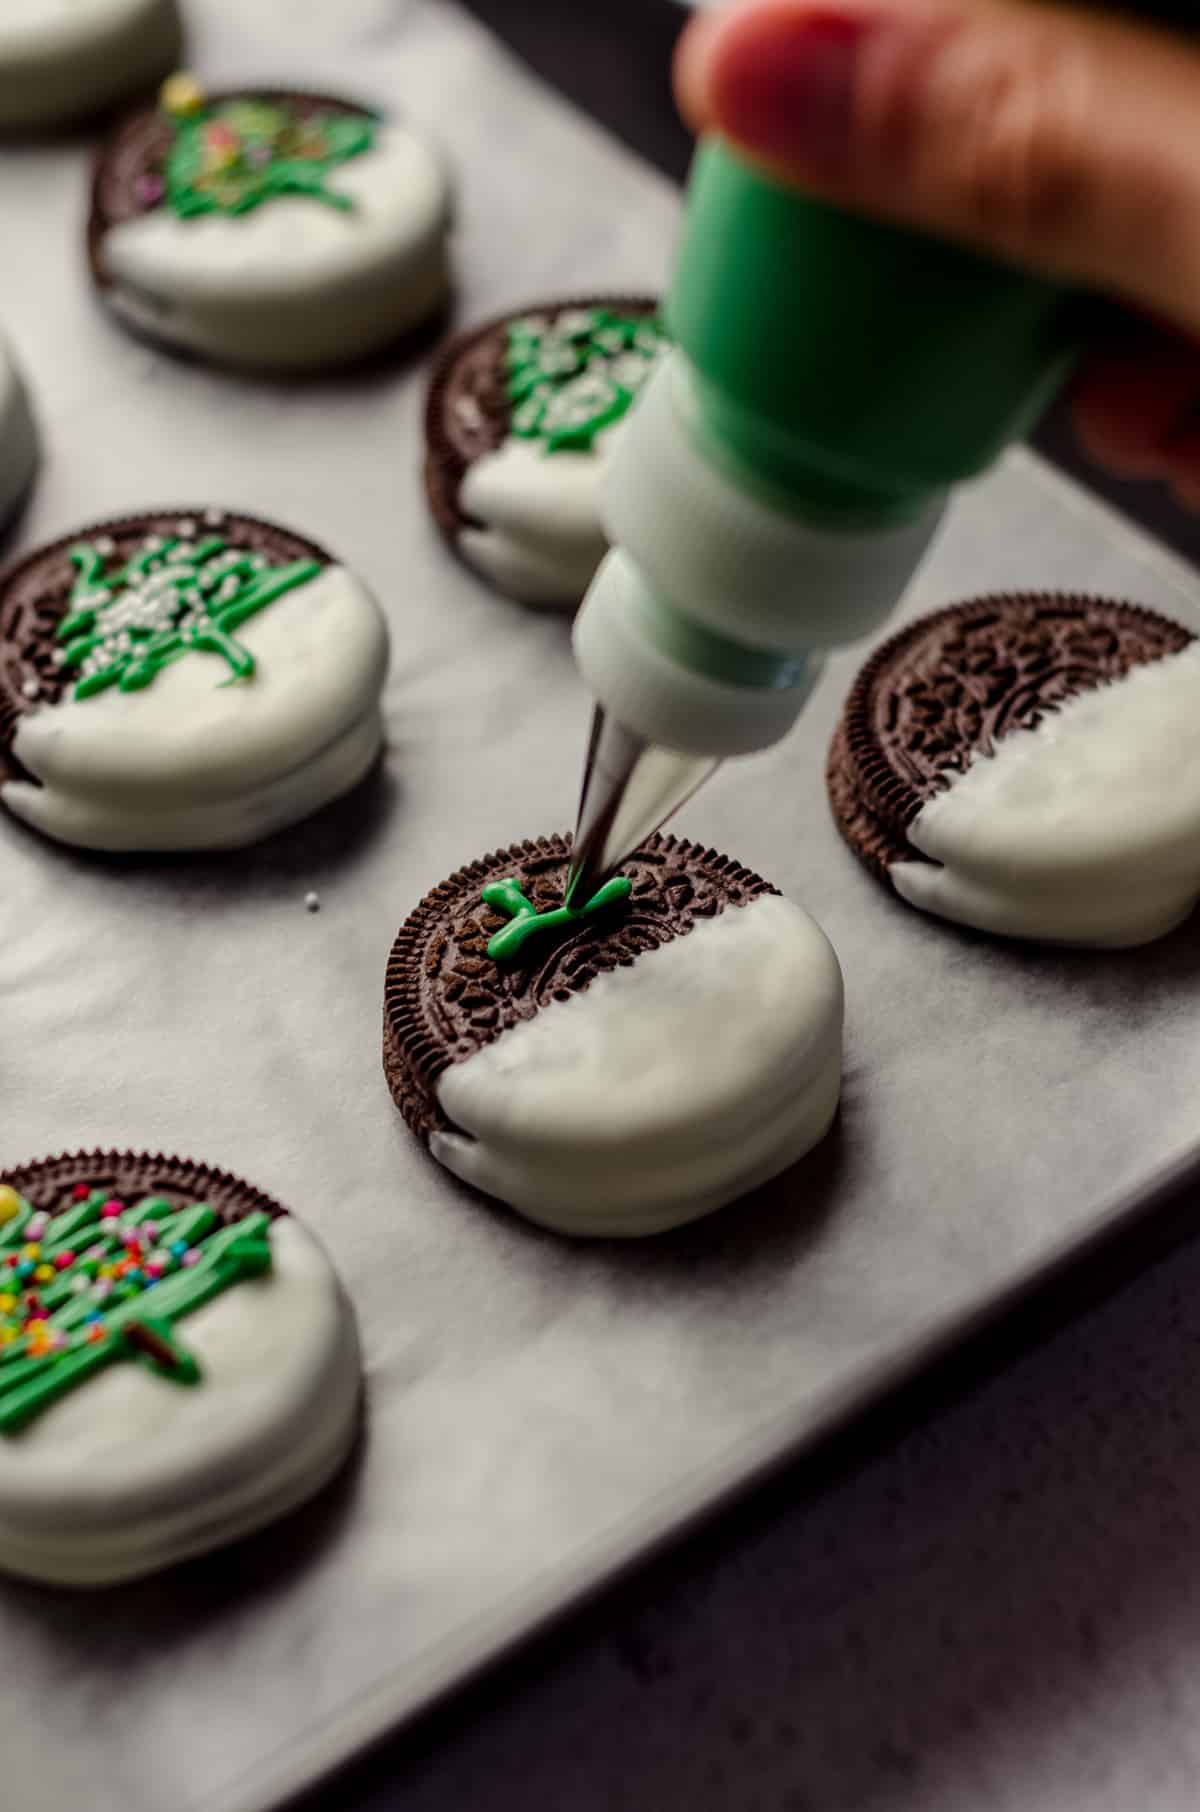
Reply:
x=537, y=1411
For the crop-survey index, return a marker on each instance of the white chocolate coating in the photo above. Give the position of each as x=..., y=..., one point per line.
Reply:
x=542, y=540
x=18, y=436
x=194, y=763
x=294, y=283
x=666, y=1088
x=129, y=1472
x=61, y=60
x=1085, y=830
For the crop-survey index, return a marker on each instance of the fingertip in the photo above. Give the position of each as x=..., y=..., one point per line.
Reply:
x=778, y=78
x=692, y=67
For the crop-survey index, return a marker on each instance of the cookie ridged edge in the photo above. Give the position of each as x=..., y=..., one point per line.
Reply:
x=181, y=1174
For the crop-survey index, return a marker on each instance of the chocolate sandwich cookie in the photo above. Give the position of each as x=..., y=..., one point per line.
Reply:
x=1028, y=764
x=178, y=1364
x=623, y=1069
x=184, y=679
x=268, y=228
x=520, y=419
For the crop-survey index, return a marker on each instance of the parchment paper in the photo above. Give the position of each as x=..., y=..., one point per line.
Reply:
x=537, y=1411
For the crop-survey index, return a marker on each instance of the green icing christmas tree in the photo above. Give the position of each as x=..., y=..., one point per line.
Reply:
x=178, y=594
x=573, y=375
x=228, y=157
x=101, y=1282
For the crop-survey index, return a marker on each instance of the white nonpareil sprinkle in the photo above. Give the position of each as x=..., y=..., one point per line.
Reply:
x=168, y=596
x=574, y=320
x=312, y=902
x=30, y=688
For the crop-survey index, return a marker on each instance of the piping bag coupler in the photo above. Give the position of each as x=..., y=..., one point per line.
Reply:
x=780, y=478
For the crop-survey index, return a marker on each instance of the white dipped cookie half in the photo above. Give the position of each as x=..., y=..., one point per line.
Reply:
x=179, y=1365
x=272, y=230
x=624, y=1070
x=64, y=60
x=184, y=680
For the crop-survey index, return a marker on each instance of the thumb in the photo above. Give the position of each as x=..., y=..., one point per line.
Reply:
x=1057, y=138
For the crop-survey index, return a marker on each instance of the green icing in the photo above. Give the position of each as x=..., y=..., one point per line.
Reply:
x=119, y=1285
x=176, y=596
x=507, y=897
x=575, y=374
x=232, y=156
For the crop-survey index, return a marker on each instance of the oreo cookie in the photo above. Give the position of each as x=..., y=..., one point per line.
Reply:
x=519, y=421
x=623, y=1070
x=1023, y=764
x=184, y=679
x=178, y=1364
x=269, y=228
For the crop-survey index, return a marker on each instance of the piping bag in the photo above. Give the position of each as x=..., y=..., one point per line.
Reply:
x=780, y=478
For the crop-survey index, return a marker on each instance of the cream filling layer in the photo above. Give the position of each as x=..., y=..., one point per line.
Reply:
x=1084, y=830
x=130, y=1473
x=191, y=762
x=294, y=282
x=665, y=1089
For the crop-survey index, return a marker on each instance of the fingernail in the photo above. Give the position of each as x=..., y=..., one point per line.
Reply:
x=782, y=84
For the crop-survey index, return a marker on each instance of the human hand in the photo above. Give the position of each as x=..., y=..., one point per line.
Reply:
x=1064, y=140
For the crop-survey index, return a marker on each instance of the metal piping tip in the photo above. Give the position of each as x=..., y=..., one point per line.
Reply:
x=630, y=788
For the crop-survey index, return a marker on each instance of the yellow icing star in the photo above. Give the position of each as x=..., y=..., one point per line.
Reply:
x=181, y=94
x=10, y=1204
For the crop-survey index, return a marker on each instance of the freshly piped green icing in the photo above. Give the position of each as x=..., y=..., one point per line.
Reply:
x=573, y=375
x=507, y=897
x=232, y=156
x=96, y=1285
x=176, y=596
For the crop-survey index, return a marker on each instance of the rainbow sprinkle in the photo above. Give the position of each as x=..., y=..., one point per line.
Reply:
x=69, y=1305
